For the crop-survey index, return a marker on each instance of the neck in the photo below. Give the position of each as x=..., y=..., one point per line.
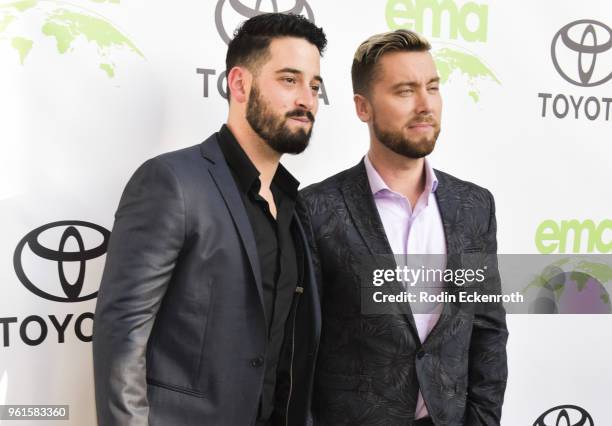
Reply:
x=403, y=175
x=264, y=158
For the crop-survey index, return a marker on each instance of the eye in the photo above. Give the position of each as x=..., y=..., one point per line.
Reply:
x=290, y=80
x=405, y=92
x=433, y=88
x=315, y=88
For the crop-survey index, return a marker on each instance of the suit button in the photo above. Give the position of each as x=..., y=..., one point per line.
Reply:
x=257, y=362
x=421, y=354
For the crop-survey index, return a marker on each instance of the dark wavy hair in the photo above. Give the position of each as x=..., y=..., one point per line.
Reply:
x=249, y=46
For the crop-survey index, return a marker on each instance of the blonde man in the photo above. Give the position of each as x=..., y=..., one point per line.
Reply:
x=445, y=366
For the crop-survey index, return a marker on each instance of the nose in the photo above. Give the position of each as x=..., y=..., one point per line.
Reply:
x=423, y=102
x=306, y=99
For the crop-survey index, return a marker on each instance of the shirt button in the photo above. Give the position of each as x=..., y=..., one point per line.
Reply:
x=421, y=354
x=257, y=362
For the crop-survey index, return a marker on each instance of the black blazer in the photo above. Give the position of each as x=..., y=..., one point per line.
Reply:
x=370, y=367
x=179, y=332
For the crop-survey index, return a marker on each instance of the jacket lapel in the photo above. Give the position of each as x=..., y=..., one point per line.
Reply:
x=222, y=176
x=362, y=208
x=448, y=204
x=364, y=214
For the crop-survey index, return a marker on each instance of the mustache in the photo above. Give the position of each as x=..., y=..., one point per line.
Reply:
x=301, y=113
x=422, y=120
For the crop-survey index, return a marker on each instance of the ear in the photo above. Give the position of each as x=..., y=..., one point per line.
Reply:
x=362, y=107
x=238, y=82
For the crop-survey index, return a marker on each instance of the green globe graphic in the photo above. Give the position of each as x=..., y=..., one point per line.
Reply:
x=571, y=286
x=455, y=63
x=23, y=23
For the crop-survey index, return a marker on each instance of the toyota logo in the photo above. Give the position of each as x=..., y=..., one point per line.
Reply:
x=578, y=50
x=247, y=12
x=71, y=291
x=565, y=415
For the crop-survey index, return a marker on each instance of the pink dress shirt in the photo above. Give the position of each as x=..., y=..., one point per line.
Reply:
x=409, y=230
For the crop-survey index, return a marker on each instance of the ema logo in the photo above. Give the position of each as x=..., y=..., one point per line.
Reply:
x=581, y=53
x=576, y=284
x=32, y=27
x=573, y=236
x=468, y=22
x=565, y=415
x=243, y=12
x=571, y=285
x=232, y=16
x=30, y=247
x=410, y=14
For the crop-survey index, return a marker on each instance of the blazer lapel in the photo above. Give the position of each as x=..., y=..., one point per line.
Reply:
x=448, y=204
x=362, y=209
x=222, y=176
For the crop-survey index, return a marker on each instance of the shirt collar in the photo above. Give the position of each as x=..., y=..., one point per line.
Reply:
x=247, y=175
x=378, y=185
x=286, y=182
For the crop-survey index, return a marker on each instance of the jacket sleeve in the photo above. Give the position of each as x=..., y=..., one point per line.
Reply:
x=488, y=368
x=145, y=241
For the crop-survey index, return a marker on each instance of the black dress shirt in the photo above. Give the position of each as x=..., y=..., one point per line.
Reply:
x=276, y=250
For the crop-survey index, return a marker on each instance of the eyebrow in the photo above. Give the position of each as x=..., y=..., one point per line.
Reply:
x=413, y=83
x=298, y=72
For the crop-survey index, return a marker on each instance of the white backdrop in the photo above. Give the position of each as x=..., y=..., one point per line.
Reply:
x=90, y=89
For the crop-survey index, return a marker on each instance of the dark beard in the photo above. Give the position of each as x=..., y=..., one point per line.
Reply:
x=401, y=145
x=273, y=129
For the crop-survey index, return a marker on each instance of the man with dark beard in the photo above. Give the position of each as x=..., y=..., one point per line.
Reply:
x=208, y=312
x=407, y=364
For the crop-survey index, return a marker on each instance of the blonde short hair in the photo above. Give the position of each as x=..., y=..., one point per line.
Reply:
x=370, y=51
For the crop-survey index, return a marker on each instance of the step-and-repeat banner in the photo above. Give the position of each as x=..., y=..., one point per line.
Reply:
x=90, y=89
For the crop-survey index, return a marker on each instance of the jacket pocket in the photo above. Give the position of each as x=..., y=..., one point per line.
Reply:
x=178, y=339
x=174, y=388
x=473, y=249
